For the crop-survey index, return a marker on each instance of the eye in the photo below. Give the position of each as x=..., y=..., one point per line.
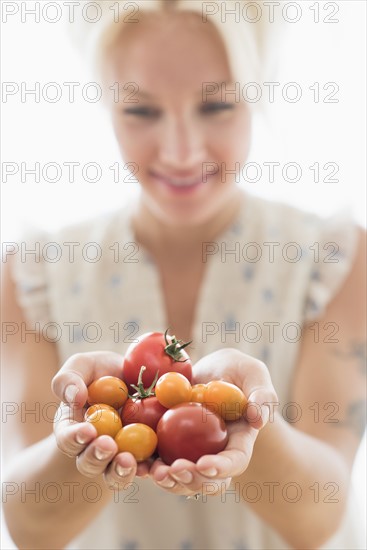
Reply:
x=216, y=107
x=146, y=112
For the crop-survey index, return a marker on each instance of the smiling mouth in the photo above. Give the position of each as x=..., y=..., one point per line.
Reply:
x=183, y=183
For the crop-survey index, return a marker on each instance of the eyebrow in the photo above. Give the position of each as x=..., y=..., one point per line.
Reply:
x=147, y=95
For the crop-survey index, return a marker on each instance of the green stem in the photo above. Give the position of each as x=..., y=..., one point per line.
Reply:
x=141, y=392
x=175, y=347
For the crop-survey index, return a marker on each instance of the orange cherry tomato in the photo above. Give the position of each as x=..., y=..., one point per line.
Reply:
x=95, y=408
x=198, y=393
x=137, y=439
x=172, y=389
x=106, y=421
x=225, y=399
x=109, y=390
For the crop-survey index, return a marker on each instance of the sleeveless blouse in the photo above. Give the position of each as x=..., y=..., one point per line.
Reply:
x=92, y=287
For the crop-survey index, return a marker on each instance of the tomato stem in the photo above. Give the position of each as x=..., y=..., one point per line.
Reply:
x=141, y=392
x=175, y=347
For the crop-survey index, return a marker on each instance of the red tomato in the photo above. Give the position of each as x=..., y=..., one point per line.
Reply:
x=159, y=353
x=173, y=388
x=106, y=422
x=225, y=399
x=143, y=411
x=190, y=430
x=138, y=439
x=109, y=390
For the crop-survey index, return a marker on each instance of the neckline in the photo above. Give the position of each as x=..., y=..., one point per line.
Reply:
x=208, y=283
x=233, y=228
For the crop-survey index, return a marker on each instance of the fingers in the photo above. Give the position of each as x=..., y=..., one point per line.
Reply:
x=94, y=455
x=79, y=439
x=70, y=383
x=143, y=468
x=182, y=478
x=191, y=481
x=71, y=433
x=74, y=440
x=235, y=458
x=212, y=474
x=178, y=479
x=142, y=471
x=97, y=455
x=260, y=408
x=261, y=395
x=121, y=471
x=161, y=474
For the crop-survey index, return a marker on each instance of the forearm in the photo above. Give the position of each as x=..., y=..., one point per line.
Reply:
x=47, y=501
x=297, y=483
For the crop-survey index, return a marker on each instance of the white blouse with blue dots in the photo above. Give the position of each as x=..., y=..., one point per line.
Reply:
x=274, y=269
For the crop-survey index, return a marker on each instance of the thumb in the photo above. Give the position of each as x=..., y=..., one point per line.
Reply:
x=69, y=386
x=80, y=370
x=260, y=407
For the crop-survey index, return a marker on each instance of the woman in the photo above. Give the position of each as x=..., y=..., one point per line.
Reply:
x=283, y=480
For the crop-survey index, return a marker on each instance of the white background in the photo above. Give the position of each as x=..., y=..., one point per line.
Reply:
x=304, y=132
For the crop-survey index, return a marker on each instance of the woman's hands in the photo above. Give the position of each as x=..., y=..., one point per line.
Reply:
x=212, y=473
x=94, y=455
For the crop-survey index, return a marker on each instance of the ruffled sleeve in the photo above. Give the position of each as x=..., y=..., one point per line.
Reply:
x=29, y=271
x=331, y=257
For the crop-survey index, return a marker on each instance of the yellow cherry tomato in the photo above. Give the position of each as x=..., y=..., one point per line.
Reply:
x=95, y=408
x=109, y=390
x=225, y=399
x=105, y=421
x=137, y=439
x=172, y=389
x=198, y=393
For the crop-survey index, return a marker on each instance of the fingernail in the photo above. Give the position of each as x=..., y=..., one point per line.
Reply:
x=101, y=454
x=210, y=472
x=123, y=472
x=70, y=393
x=167, y=482
x=81, y=439
x=184, y=477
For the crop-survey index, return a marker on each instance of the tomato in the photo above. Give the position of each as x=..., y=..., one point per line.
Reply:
x=143, y=411
x=225, y=399
x=138, y=439
x=159, y=353
x=172, y=388
x=106, y=422
x=109, y=390
x=190, y=430
x=198, y=393
x=95, y=408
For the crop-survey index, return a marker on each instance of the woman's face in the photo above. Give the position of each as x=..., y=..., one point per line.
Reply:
x=186, y=144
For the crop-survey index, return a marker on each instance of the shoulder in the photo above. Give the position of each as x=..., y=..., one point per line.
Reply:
x=96, y=227
x=86, y=244
x=319, y=247
x=42, y=263
x=279, y=218
x=317, y=256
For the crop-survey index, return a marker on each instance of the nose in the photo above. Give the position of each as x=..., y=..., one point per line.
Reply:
x=182, y=142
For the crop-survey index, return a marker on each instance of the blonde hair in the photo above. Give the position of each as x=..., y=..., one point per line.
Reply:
x=251, y=41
